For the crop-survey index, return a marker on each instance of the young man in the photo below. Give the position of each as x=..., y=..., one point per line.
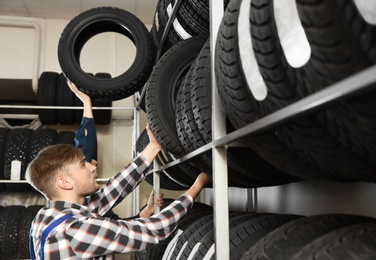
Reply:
x=72, y=226
x=86, y=139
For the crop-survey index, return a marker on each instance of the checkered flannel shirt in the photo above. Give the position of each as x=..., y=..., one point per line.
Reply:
x=88, y=235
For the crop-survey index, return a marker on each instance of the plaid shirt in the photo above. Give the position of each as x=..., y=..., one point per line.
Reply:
x=88, y=235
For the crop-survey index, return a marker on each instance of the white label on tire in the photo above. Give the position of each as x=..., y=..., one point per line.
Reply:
x=291, y=33
x=250, y=67
x=183, y=34
x=15, y=170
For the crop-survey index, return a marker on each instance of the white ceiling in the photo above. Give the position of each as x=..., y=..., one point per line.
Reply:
x=67, y=9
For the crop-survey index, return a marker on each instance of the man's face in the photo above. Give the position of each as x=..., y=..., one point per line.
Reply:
x=84, y=175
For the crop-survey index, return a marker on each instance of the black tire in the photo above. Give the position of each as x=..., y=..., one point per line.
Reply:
x=24, y=230
x=40, y=139
x=102, y=117
x=95, y=21
x=162, y=89
x=306, y=144
x=3, y=137
x=335, y=55
x=4, y=216
x=46, y=97
x=353, y=242
x=244, y=232
x=247, y=234
x=188, y=232
x=196, y=212
x=17, y=147
x=11, y=233
x=291, y=237
x=246, y=168
x=65, y=137
x=189, y=244
x=64, y=97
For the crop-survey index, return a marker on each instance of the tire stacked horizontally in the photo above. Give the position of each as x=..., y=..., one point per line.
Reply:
x=23, y=144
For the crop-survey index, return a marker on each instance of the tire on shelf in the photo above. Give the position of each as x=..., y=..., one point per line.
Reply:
x=102, y=117
x=65, y=137
x=46, y=97
x=301, y=148
x=244, y=230
x=3, y=137
x=342, y=130
x=40, y=139
x=11, y=234
x=95, y=21
x=288, y=239
x=162, y=89
x=351, y=242
x=17, y=147
x=24, y=230
x=196, y=212
x=64, y=97
x=246, y=168
x=4, y=216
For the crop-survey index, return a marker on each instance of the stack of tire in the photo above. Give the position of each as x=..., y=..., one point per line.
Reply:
x=332, y=144
x=275, y=236
x=15, y=222
x=336, y=143
x=53, y=90
x=23, y=144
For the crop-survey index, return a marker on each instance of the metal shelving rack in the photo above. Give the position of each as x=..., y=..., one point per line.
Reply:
x=351, y=86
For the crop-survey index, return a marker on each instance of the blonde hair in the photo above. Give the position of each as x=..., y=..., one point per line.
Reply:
x=50, y=163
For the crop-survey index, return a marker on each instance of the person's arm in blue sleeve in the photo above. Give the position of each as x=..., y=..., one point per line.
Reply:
x=86, y=136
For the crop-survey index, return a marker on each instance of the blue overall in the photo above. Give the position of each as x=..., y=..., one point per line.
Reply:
x=44, y=236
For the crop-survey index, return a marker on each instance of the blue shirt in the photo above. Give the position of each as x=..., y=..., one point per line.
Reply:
x=86, y=142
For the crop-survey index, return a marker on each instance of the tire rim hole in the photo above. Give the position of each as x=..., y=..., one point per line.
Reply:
x=115, y=52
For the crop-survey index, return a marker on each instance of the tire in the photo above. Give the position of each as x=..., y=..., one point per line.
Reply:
x=3, y=137
x=24, y=230
x=64, y=97
x=246, y=168
x=17, y=147
x=46, y=97
x=189, y=245
x=4, y=216
x=65, y=137
x=162, y=89
x=102, y=117
x=243, y=233
x=291, y=237
x=95, y=21
x=11, y=233
x=40, y=139
x=335, y=56
x=352, y=242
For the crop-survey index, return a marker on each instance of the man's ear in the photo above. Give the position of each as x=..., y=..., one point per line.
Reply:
x=64, y=182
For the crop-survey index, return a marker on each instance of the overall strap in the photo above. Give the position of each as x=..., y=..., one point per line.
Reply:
x=44, y=236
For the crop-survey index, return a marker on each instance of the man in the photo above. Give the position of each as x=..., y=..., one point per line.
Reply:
x=72, y=225
x=85, y=138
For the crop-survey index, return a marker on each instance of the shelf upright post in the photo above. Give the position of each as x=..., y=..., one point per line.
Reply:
x=135, y=134
x=220, y=179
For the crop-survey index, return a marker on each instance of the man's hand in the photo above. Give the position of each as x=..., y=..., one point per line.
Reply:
x=88, y=112
x=81, y=95
x=201, y=182
x=149, y=209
